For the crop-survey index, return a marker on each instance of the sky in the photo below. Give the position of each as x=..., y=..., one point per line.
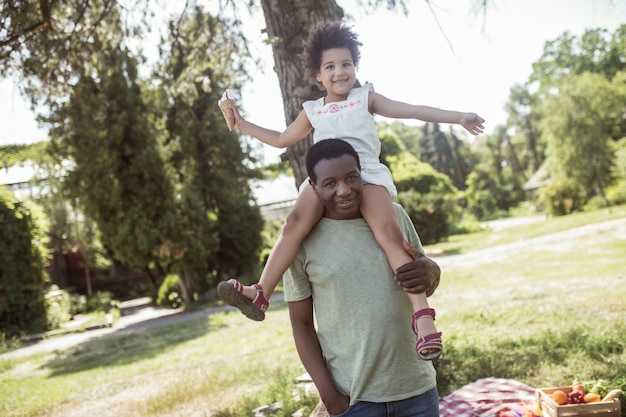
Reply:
x=464, y=62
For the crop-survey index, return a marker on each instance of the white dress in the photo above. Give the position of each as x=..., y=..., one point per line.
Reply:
x=351, y=121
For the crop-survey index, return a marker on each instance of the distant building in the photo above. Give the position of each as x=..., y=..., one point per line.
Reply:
x=275, y=197
x=19, y=179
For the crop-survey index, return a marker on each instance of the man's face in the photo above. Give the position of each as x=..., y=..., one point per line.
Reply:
x=339, y=187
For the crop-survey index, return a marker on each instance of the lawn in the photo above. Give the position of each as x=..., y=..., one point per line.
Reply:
x=542, y=304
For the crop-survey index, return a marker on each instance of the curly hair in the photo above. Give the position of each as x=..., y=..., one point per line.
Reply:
x=324, y=36
x=328, y=149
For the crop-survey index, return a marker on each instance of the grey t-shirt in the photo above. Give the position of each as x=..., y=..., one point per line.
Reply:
x=363, y=317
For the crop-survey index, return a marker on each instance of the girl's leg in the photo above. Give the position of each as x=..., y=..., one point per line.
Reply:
x=298, y=224
x=379, y=213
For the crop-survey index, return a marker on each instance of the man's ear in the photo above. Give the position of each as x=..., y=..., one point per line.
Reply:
x=312, y=184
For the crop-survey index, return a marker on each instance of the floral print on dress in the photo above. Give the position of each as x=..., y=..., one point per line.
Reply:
x=336, y=107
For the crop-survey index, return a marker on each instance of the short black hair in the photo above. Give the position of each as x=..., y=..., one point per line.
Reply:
x=328, y=149
x=325, y=36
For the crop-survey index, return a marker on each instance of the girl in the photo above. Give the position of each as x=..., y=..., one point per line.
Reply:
x=331, y=55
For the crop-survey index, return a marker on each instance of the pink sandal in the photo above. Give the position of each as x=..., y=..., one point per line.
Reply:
x=431, y=341
x=233, y=295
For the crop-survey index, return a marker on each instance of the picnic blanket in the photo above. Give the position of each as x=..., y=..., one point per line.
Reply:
x=485, y=398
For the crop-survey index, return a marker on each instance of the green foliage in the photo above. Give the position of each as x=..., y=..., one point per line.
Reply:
x=580, y=123
x=62, y=306
x=117, y=178
x=169, y=292
x=22, y=274
x=494, y=186
x=219, y=227
x=428, y=197
x=58, y=307
x=49, y=47
x=445, y=153
x=525, y=208
x=561, y=196
x=20, y=153
x=276, y=169
x=596, y=51
x=616, y=193
x=270, y=235
x=101, y=302
x=468, y=223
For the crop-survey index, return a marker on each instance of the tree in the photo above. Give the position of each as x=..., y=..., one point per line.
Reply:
x=596, y=51
x=116, y=175
x=54, y=42
x=445, y=154
x=494, y=186
x=580, y=124
x=428, y=196
x=221, y=227
x=522, y=112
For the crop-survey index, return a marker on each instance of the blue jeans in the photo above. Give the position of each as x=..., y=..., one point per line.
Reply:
x=425, y=405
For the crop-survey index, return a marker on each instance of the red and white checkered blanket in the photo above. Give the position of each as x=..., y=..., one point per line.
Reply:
x=485, y=398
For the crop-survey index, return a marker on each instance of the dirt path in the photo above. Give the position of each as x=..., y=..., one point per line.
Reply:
x=591, y=235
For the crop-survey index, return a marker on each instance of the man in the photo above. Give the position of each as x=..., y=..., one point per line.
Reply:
x=362, y=355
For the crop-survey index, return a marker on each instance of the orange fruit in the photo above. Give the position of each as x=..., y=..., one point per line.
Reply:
x=559, y=397
x=592, y=398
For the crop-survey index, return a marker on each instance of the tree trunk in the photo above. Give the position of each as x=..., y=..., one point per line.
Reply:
x=532, y=145
x=517, y=167
x=152, y=281
x=186, y=287
x=285, y=21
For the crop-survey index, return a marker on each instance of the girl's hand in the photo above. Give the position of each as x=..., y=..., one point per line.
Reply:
x=238, y=117
x=472, y=122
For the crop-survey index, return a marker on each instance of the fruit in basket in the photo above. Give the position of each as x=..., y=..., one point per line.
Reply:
x=591, y=397
x=576, y=397
x=559, y=397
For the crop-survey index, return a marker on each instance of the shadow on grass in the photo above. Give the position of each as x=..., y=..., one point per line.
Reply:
x=142, y=340
x=136, y=342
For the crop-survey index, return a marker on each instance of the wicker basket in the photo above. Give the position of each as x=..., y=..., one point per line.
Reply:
x=552, y=409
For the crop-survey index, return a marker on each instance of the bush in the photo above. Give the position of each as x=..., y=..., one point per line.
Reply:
x=58, y=307
x=429, y=199
x=561, y=197
x=169, y=292
x=467, y=224
x=22, y=274
x=62, y=306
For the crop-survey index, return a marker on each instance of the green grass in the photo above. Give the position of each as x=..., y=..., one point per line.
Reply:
x=543, y=317
x=486, y=238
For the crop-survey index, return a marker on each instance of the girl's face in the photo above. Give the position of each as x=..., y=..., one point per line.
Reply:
x=337, y=73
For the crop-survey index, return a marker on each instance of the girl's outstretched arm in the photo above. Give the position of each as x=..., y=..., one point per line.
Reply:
x=379, y=104
x=297, y=130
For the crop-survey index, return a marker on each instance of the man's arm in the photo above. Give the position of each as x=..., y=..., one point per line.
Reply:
x=421, y=275
x=310, y=352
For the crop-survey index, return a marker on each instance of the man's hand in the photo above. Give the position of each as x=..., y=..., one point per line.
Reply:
x=337, y=405
x=421, y=275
